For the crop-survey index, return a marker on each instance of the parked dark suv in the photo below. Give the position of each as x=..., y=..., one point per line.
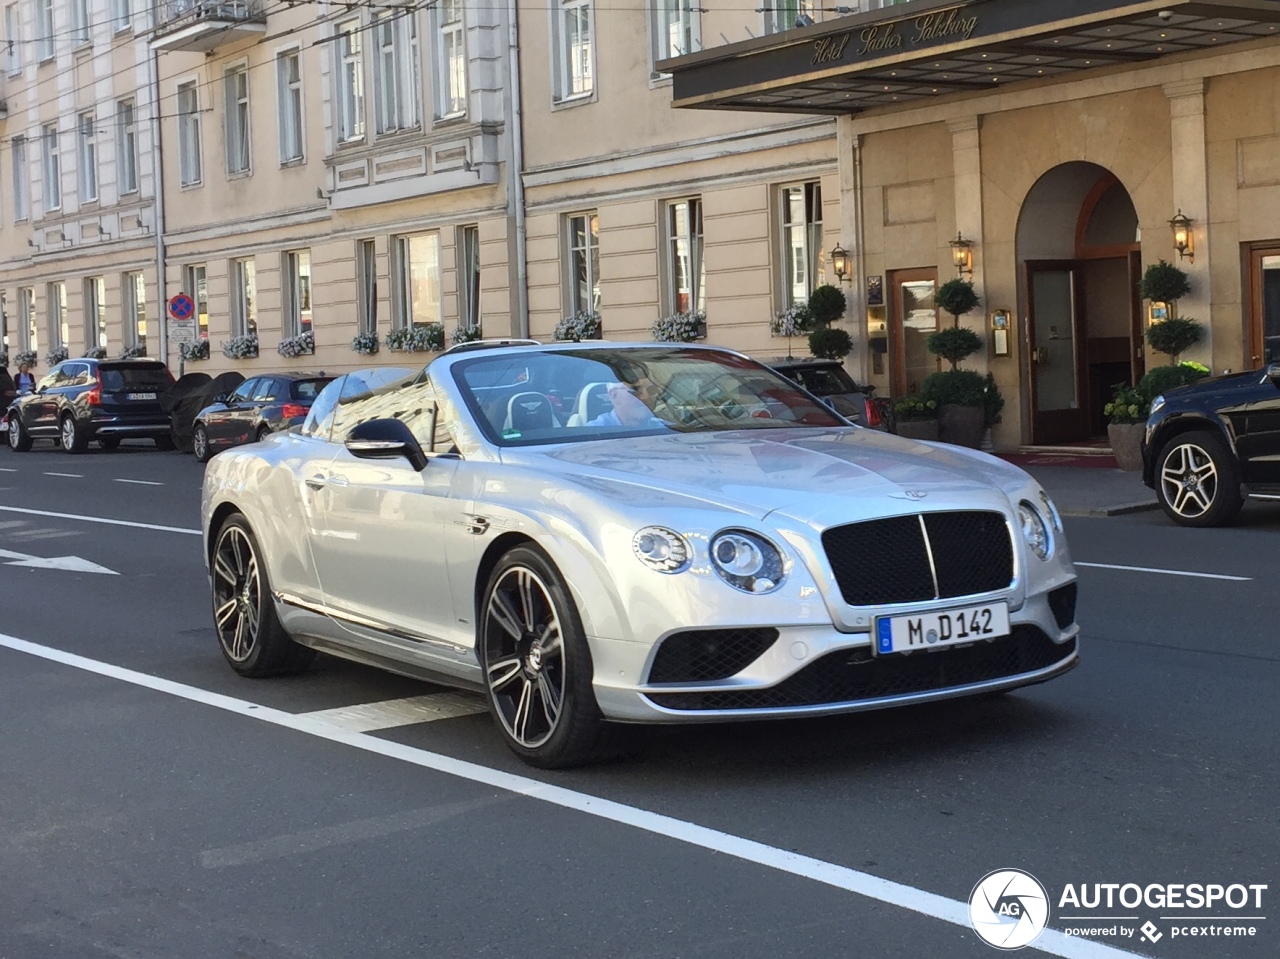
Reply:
x=258, y=406
x=830, y=381
x=82, y=400
x=1209, y=445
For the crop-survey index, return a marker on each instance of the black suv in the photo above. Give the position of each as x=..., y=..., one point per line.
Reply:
x=83, y=400
x=1209, y=445
x=830, y=381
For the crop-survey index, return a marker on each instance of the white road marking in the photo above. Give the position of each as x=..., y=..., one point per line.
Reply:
x=99, y=519
x=139, y=482
x=67, y=475
x=73, y=564
x=1169, y=572
x=5, y=469
x=863, y=884
x=391, y=713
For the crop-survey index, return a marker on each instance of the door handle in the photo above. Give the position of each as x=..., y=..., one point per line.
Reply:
x=317, y=482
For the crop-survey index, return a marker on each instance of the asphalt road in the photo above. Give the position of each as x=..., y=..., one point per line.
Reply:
x=156, y=805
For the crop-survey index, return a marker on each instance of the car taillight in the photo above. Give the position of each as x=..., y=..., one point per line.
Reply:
x=873, y=413
x=94, y=396
x=292, y=410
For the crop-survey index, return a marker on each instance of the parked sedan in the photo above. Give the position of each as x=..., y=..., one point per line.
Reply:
x=830, y=381
x=708, y=544
x=258, y=407
x=82, y=400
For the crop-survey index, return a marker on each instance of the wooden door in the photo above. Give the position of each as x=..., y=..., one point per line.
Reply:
x=1264, y=306
x=913, y=319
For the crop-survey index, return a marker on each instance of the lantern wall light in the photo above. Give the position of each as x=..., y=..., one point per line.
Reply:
x=1183, y=238
x=840, y=262
x=962, y=254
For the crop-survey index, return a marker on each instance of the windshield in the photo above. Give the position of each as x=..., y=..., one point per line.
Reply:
x=574, y=395
x=153, y=377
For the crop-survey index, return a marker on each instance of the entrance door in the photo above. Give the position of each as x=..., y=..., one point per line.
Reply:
x=1055, y=346
x=1264, y=311
x=914, y=319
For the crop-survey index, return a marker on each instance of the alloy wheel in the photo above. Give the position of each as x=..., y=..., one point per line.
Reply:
x=15, y=431
x=237, y=593
x=524, y=657
x=68, y=434
x=1189, y=480
x=199, y=444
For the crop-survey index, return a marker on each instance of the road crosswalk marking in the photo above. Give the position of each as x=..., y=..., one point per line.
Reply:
x=392, y=713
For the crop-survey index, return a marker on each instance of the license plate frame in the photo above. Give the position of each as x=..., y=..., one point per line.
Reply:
x=140, y=396
x=955, y=626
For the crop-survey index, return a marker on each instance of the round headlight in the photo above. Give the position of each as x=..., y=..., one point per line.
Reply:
x=1051, y=511
x=661, y=549
x=747, y=562
x=1034, y=530
x=1157, y=405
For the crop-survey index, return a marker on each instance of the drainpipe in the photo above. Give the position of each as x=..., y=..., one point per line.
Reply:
x=157, y=167
x=515, y=174
x=860, y=261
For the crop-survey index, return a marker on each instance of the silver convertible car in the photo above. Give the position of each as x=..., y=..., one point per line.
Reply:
x=613, y=533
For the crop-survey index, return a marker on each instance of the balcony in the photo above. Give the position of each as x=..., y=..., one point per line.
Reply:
x=204, y=25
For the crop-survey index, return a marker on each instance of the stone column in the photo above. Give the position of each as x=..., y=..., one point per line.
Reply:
x=1191, y=195
x=849, y=152
x=967, y=165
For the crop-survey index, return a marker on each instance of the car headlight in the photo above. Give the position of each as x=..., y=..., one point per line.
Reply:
x=1157, y=405
x=747, y=562
x=661, y=549
x=1034, y=530
x=1051, y=511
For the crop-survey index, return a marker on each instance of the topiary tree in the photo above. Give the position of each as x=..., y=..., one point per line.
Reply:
x=826, y=305
x=1173, y=336
x=957, y=297
x=1165, y=283
x=830, y=343
x=954, y=345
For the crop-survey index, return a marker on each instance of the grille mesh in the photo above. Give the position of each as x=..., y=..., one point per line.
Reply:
x=847, y=677
x=886, y=561
x=704, y=655
x=1063, y=603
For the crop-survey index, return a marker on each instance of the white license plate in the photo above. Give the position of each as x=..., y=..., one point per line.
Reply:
x=139, y=396
x=904, y=634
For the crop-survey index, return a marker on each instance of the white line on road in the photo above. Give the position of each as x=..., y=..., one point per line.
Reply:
x=391, y=713
x=139, y=482
x=1169, y=572
x=66, y=475
x=840, y=877
x=99, y=519
x=5, y=469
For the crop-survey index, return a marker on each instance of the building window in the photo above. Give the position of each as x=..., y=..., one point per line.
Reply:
x=675, y=29
x=350, y=81
x=127, y=146
x=44, y=29
x=80, y=21
x=584, y=262
x=396, y=77
x=784, y=14
x=244, y=298
x=52, y=168
x=121, y=15
x=418, y=279
x=469, y=277
x=59, y=332
x=451, y=60
x=289, y=89
x=88, y=158
x=803, y=256
x=574, y=70
x=686, y=269
x=198, y=290
x=95, y=312
x=236, y=81
x=21, y=201
x=297, y=292
x=367, y=265
x=189, y=162
x=135, y=310
x=30, y=328
x=13, y=37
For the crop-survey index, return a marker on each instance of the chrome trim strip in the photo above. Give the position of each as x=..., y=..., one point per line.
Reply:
x=928, y=548
x=356, y=620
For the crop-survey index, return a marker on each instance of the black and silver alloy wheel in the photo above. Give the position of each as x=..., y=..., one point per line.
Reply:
x=71, y=437
x=1190, y=480
x=19, y=440
x=1197, y=480
x=200, y=444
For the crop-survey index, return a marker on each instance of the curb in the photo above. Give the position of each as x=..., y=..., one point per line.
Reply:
x=1124, y=509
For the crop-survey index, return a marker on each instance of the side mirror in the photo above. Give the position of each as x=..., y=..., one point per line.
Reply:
x=1273, y=373
x=386, y=439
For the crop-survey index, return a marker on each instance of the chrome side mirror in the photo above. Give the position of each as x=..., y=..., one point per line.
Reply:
x=386, y=439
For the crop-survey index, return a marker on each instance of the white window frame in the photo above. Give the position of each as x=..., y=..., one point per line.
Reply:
x=13, y=37
x=801, y=241
x=685, y=260
x=397, y=77
x=134, y=292
x=676, y=29
x=573, y=59
x=56, y=304
x=4, y=323
x=781, y=15
x=95, y=312
x=469, y=315
x=297, y=293
x=79, y=21
x=420, y=306
x=87, y=158
x=52, y=167
x=121, y=15
x=244, y=297
x=190, y=159
x=30, y=322
x=196, y=286
x=450, y=29
x=44, y=30
x=582, y=261
x=350, y=79
x=237, y=132
x=21, y=182
x=127, y=145
x=367, y=277
x=290, y=105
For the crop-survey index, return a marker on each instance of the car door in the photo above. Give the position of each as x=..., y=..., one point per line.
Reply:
x=265, y=395
x=1259, y=446
x=44, y=409
x=221, y=421
x=383, y=547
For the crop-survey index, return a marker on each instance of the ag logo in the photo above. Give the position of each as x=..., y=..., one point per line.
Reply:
x=1009, y=909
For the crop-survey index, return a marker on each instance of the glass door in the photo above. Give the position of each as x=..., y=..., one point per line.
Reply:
x=1264, y=313
x=1054, y=347
x=914, y=320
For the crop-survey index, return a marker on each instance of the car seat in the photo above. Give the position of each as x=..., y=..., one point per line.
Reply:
x=529, y=411
x=593, y=401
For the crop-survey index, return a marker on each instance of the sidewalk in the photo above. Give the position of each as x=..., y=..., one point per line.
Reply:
x=1087, y=485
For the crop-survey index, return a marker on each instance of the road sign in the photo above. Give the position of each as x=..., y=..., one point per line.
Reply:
x=183, y=331
x=182, y=307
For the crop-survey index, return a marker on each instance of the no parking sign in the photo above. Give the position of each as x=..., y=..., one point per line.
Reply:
x=181, y=307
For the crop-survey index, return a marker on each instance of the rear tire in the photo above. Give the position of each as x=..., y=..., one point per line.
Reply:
x=200, y=444
x=72, y=438
x=250, y=635
x=263, y=433
x=109, y=442
x=1198, y=480
x=165, y=443
x=19, y=438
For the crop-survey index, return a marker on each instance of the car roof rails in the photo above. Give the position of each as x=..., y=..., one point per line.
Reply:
x=488, y=345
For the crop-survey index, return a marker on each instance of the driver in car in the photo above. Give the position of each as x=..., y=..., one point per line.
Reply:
x=630, y=406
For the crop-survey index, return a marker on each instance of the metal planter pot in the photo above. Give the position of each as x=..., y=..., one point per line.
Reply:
x=917, y=429
x=961, y=425
x=1126, y=444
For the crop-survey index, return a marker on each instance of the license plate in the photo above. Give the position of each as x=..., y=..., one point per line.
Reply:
x=139, y=396
x=905, y=634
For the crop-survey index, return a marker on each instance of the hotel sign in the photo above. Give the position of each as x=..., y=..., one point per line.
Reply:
x=937, y=27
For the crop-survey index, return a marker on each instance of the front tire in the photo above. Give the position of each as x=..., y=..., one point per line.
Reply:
x=19, y=438
x=165, y=444
x=537, y=664
x=1198, y=480
x=250, y=635
x=200, y=444
x=109, y=442
x=72, y=438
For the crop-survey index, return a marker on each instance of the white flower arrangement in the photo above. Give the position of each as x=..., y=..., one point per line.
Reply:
x=416, y=339
x=241, y=347
x=365, y=343
x=465, y=334
x=137, y=351
x=26, y=358
x=680, y=327
x=583, y=325
x=795, y=320
x=199, y=350
x=57, y=355
x=304, y=344
x=96, y=353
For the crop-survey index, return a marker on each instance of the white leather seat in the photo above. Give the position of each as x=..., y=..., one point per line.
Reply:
x=593, y=401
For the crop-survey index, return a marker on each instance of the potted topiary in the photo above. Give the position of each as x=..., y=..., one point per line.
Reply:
x=1165, y=283
x=916, y=418
x=1161, y=379
x=830, y=343
x=826, y=305
x=1126, y=420
x=961, y=397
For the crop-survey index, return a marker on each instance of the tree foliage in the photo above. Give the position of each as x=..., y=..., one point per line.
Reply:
x=830, y=343
x=957, y=297
x=954, y=345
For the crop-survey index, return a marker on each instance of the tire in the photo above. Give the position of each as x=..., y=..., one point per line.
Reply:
x=525, y=674
x=200, y=444
x=263, y=433
x=19, y=438
x=250, y=635
x=109, y=442
x=71, y=437
x=1198, y=480
x=165, y=444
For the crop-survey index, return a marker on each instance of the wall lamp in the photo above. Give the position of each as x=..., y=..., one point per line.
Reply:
x=1183, y=238
x=962, y=254
x=840, y=262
